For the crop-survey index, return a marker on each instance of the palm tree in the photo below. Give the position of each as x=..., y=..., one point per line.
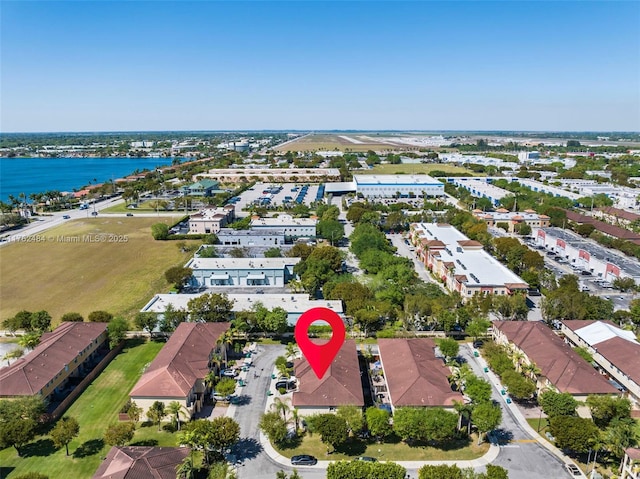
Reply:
x=463, y=410
x=175, y=409
x=13, y=354
x=185, y=469
x=531, y=370
x=291, y=350
x=459, y=376
x=281, y=407
x=517, y=357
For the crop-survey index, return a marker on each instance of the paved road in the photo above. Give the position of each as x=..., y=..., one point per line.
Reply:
x=255, y=463
x=520, y=454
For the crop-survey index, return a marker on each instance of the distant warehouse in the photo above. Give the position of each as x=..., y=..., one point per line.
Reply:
x=388, y=186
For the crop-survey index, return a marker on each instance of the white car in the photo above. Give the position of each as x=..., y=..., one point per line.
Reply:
x=573, y=470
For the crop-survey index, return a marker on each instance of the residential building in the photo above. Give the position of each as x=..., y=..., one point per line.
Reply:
x=460, y=263
x=587, y=255
x=137, y=462
x=558, y=366
x=241, y=272
x=178, y=371
x=389, y=186
x=292, y=228
x=630, y=467
x=211, y=220
x=250, y=238
x=414, y=375
x=616, y=216
x=614, y=350
x=340, y=386
x=512, y=218
x=294, y=304
x=602, y=227
x=70, y=351
x=203, y=187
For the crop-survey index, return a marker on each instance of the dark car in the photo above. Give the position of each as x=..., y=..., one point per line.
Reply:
x=303, y=460
x=129, y=214
x=94, y=213
x=66, y=217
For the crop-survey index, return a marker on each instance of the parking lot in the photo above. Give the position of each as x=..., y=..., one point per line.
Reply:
x=276, y=194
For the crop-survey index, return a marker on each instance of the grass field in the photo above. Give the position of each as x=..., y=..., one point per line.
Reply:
x=394, y=450
x=411, y=168
x=95, y=409
x=118, y=275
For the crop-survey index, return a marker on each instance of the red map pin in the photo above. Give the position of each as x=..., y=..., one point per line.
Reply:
x=319, y=356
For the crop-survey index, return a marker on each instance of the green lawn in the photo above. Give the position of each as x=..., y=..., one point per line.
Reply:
x=95, y=409
x=119, y=273
x=539, y=425
x=411, y=168
x=145, y=206
x=392, y=450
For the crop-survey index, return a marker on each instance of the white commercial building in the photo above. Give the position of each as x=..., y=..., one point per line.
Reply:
x=250, y=238
x=241, y=272
x=291, y=227
x=293, y=304
x=480, y=188
x=388, y=186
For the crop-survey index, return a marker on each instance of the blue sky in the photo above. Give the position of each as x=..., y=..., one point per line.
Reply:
x=105, y=66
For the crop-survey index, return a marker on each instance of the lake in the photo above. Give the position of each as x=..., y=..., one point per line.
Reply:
x=37, y=175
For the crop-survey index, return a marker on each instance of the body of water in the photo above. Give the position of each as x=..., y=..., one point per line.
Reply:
x=37, y=175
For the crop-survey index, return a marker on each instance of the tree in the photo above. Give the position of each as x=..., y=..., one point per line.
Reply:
x=365, y=470
x=207, y=436
x=146, y=321
x=117, y=331
x=519, y=387
x=624, y=284
x=408, y=423
x=17, y=433
x=330, y=230
x=477, y=389
x=64, y=431
x=439, y=425
x=210, y=308
x=157, y=412
x=100, y=317
x=448, y=347
x=574, y=433
x=178, y=276
x=226, y=433
x=440, y=472
x=477, y=328
x=273, y=253
x=378, y=422
x=274, y=321
x=605, y=409
x=29, y=340
x=557, y=404
x=119, y=434
x=174, y=409
x=171, y=318
x=274, y=427
x=486, y=416
x=186, y=468
x=495, y=472
x=620, y=435
x=40, y=321
x=159, y=231
x=226, y=387
x=134, y=411
x=352, y=416
x=72, y=317
x=333, y=430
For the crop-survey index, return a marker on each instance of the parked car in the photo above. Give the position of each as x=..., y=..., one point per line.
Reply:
x=94, y=213
x=366, y=459
x=573, y=470
x=129, y=214
x=303, y=460
x=229, y=373
x=66, y=217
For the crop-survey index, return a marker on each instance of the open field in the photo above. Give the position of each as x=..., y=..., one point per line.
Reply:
x=395, y=450
x=412, y=168
x=103, y=263
x=95, y=409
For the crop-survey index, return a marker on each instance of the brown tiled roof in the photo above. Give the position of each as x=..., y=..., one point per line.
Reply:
x=513, y=286
x=182, y=361
x=141, y=462
x=432, y=243
x=414, y=375
x=461, y=278
x=575, y=324
x=340, y=385
x=606, y=228
x=29, y=374
x=464, y=243
x=627, y=215
x=633, y=453
x=557, y=361
x=623, y=354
